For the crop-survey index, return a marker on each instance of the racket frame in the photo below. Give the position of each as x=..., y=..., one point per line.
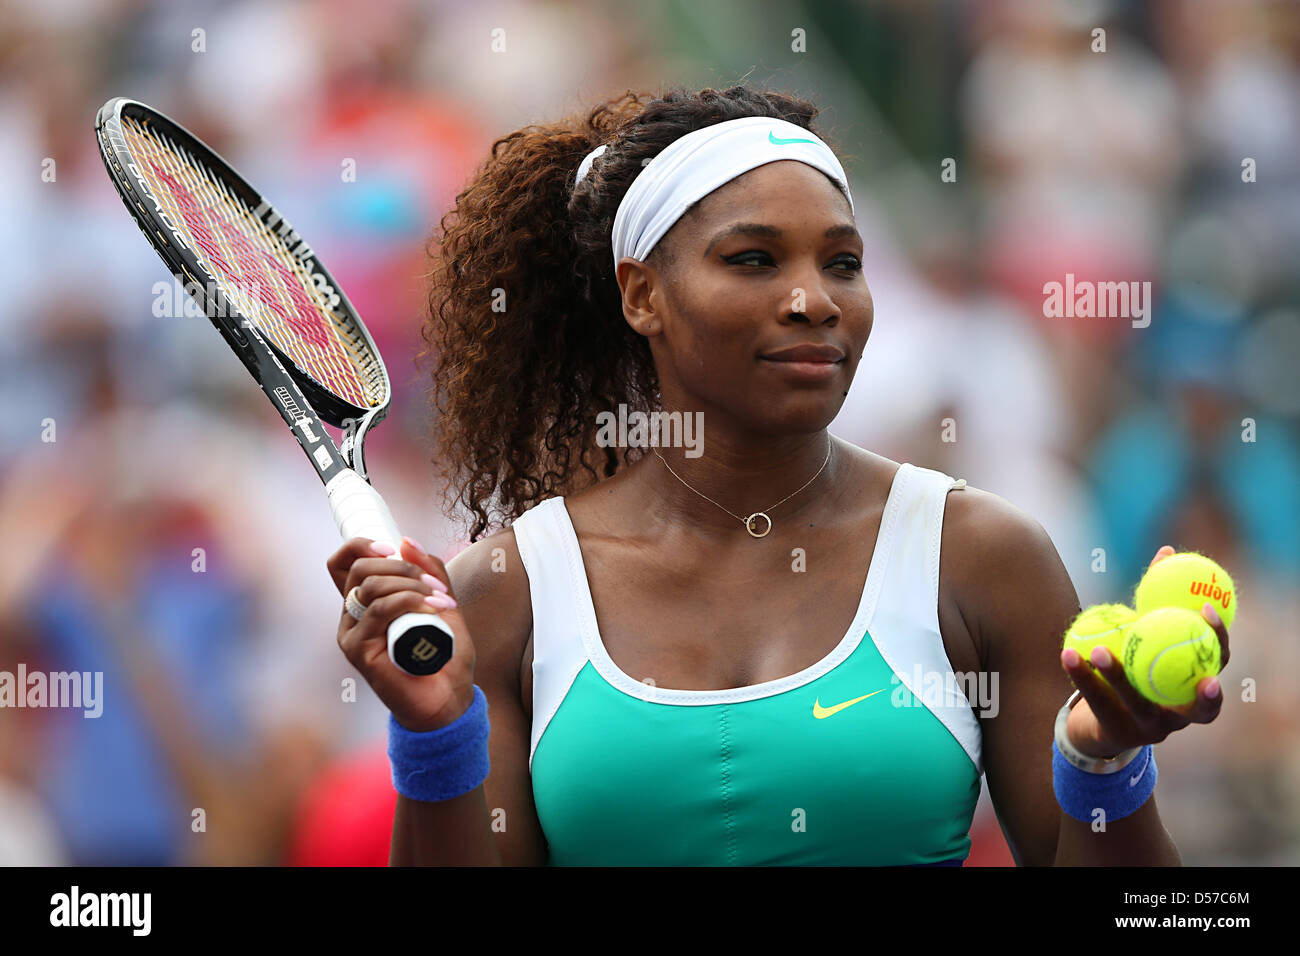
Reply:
x=301, y=401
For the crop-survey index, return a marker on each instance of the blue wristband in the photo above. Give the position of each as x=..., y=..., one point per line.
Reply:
x=1081, y=793
x=443, y=763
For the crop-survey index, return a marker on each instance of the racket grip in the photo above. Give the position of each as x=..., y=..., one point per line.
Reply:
x=419, y=642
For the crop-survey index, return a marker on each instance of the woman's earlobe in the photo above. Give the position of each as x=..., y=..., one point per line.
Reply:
x=643, y=324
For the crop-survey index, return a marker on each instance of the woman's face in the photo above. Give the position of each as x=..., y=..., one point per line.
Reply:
x=769, y=262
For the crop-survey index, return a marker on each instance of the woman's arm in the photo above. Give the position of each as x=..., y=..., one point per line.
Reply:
x=495, y=824
x=1018, y=600
x=452, y=832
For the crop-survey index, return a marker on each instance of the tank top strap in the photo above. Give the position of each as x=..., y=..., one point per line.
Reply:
x=905, y=625
x=557, y=594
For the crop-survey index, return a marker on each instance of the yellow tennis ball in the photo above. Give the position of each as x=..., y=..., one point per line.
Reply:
x=1167, y=653
x=1104, y=624
x=1188, y=580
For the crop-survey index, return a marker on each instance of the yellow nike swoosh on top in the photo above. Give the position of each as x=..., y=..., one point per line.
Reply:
x=820, y=712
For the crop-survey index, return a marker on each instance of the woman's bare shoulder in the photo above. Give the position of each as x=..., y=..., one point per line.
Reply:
x=998, y=562
x=491, y=590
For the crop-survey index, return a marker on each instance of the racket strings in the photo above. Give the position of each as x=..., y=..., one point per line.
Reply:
x=258, y=273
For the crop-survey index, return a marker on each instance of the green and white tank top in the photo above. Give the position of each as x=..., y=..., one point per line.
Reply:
x=847, y=762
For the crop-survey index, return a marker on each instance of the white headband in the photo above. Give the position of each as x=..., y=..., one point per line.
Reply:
x=698, y=163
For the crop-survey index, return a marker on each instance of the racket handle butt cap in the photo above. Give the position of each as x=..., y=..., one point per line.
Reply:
x=419, y=643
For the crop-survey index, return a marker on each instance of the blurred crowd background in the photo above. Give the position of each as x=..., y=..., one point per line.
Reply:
x=224, y=689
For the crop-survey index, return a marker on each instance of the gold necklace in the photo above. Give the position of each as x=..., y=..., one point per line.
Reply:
x=752, y=520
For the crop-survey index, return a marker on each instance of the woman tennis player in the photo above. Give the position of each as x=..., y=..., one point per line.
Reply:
x=723, y=653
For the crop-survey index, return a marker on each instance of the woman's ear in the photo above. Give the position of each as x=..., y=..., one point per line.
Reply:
x=641, y=287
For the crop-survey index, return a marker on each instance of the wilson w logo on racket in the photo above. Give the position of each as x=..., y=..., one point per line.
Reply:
x=281, y=312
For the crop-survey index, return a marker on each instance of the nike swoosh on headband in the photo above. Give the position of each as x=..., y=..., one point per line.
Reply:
x=821, y=712
x=778, y=141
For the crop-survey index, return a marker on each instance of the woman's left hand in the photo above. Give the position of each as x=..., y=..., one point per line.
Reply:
x=1112, y=719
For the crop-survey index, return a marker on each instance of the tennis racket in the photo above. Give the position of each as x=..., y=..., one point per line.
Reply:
x=280, y=310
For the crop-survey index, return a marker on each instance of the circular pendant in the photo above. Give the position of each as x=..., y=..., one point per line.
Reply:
x=752, y=521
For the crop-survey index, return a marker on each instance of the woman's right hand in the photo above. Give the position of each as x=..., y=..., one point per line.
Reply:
x=390, y=587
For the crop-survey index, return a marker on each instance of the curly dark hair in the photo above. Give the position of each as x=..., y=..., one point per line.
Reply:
x=525, y=315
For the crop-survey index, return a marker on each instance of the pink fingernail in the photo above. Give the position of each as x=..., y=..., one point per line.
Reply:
x=434, y=583
x=415, y=543
x=1212, y=688
x=1071, y=657
x=1100, y=657
x=382, y=548
x=442, y=602
x=1212, y=615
